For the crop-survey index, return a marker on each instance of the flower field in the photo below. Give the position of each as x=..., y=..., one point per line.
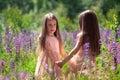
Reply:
x=18, y=56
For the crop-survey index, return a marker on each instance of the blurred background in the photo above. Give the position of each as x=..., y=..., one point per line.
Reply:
x=21, y=22
x=29, y=13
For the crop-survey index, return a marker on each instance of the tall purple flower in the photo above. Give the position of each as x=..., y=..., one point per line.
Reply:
x=101, y=30
x=17, y=43
x=113, y=67
x=64, y=34
x=2, y=65
x=32, y=41
x=23, y=75
x=118, y=33
x=8, y=48
x=7, y=34
x=12, y=65
x=102, y=34
x=26, y=42
x=7, y=39
x=106, y=36
x=115, y=61
x=6, y=78
x=86, y=48
x=118, y=52
x=112, y=49
x=46, y=66
x=21, y=35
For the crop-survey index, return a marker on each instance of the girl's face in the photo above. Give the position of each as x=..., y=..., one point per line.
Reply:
x=51, y=26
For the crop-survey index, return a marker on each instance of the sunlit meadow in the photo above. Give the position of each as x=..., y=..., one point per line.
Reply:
x=20, y=25
x=18, y=57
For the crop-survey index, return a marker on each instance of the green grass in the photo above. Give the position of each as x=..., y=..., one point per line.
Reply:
x=26, y=62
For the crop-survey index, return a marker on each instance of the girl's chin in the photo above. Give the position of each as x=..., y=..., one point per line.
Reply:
x=52, y=32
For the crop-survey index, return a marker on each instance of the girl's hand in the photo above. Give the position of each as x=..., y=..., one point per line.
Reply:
x=59, y=63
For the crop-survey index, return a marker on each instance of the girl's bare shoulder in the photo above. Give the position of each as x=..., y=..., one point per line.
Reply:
x=79, y=35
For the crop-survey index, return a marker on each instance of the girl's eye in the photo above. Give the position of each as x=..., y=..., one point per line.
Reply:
x=50, y=25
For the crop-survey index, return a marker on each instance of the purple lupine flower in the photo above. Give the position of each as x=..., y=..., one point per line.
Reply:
x=2, y=64
x=115, y=61
x=106, y=36
x=114, y=39
x=64, y=34
x=118, y=32
x=74, y=37
x=101, y=31
x=118, y=53
x=21, y=35
x=113, y=67
x=107, y=33
x=48, y=69
x=17, y=43
x=23, y=75
x=6, y=78
x=7, y=39
x=112, y=47
x=46, y=66
x=109, y=48
x=8, y=48
x=12, y=65
x=86, y=49
x=118, y=57
x=32, y=41
x=7, y=33
x=26, y=42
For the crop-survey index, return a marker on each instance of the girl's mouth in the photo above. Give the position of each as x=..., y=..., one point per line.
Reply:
x=51, y=30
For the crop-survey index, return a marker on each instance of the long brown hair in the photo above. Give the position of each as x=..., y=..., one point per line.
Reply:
x=42, y=37
x=88, y=24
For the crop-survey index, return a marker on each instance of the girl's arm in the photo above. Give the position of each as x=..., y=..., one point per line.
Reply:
x=72, y=53
x=63, y=53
